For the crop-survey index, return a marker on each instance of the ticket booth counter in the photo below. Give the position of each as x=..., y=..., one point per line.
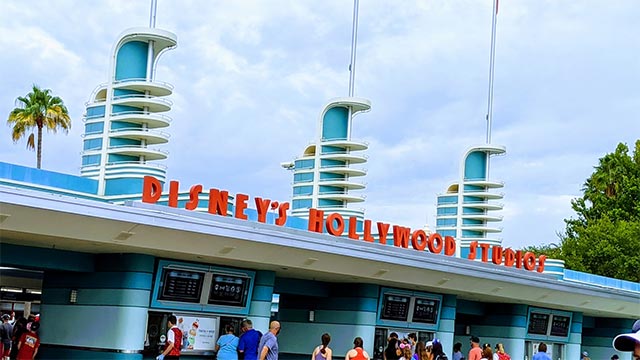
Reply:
x=551, y=327
x=204, y=300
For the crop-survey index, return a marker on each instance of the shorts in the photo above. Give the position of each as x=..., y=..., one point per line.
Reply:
x=6, y=350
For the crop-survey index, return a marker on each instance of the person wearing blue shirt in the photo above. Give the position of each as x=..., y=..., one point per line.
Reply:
x=269, y=343
x=227, y=345
x=249, y=340
x=542, y=353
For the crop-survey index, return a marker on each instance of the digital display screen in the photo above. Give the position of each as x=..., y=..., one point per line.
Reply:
x=395, y=307
x=229, y=290
x=538, y=323
x=181, y=285
x=560, y=325
x=426, y=311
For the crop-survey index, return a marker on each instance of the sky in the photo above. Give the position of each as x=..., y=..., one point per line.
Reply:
x=251, y=78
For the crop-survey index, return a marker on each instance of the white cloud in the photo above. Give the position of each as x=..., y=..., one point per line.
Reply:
x=251, y=78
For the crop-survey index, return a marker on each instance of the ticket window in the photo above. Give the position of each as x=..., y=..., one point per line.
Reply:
x=382, y=334
x=554, y=350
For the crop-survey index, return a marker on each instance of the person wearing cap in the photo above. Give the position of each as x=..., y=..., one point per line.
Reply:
x=6, y=330
x=629, y=342
x=29, y=343
x=476, y=352
x=585, y=356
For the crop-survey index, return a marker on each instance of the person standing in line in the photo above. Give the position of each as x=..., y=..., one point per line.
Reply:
x=475, y=353
x=19, y=329
x=629, y=342
x=405, y=351
x=457, y=351
x=6, y=330
x=227, y=344
x=392, y=352
x=420, y=348
x=357, y=353
x=542, y=353
x=269, y=342
x=487, y=353
x=438, y=352
x=615, y=357
x=249, y=340
x=323, y=352
x=29, y=343
x=501, y=354
x=174, y=341
x=413, y=340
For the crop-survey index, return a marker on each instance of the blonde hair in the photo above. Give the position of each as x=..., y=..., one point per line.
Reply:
x=500, y=349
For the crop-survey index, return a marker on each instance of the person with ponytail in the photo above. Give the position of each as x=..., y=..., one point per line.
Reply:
x=323, y=352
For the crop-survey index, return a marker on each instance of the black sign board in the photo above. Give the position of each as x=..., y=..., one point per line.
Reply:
x=229, y=290
x=560, y=325
x=538, y=323
x=426, y=311
x=181, y=285
x=395, y=307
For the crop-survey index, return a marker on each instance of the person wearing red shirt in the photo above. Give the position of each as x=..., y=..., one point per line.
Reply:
x=476, y=352
x=174, y=341
x=29, y=343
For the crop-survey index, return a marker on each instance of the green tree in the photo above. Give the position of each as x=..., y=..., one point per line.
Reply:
x=604, y=238
x=38, y=110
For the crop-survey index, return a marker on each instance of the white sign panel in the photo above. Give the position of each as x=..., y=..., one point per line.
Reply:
x=198, y=333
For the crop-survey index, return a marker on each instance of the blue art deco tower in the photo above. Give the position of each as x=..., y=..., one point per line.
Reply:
x=467, y=209
x=323, y=177
x=123, y=116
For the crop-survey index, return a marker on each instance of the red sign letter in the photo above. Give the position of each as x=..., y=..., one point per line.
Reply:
x=151, y=190
x=218, y=202
x=383, y=230
x=339, y=229
x=173, y=193
x=449, y=245
x=541, y=260
x=262, y=206
x=433, y=239
x=367, y=231
x=419, y=240
x=194, y=192
x=401, y=236
x=496, y=255
x=352, y=228
x=316, y=219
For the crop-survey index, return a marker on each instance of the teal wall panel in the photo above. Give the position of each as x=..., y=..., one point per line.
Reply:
x=98, y=280
x=47, y=178
x=123, y=186
x=335, y=123
x=44, y=259
x=131, y=61
x=112, y=327
x=55, y=352
x=98, y=297
x=475, y=165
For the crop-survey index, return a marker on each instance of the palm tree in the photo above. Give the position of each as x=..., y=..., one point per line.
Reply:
x=38, y=109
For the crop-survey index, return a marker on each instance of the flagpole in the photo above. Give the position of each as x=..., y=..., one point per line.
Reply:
x=152, y=15
x=354, y=42
x=491, y=70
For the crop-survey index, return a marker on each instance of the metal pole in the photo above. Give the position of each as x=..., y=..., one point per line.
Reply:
x=152, y=15
x=354, y=43
x=491, y=70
